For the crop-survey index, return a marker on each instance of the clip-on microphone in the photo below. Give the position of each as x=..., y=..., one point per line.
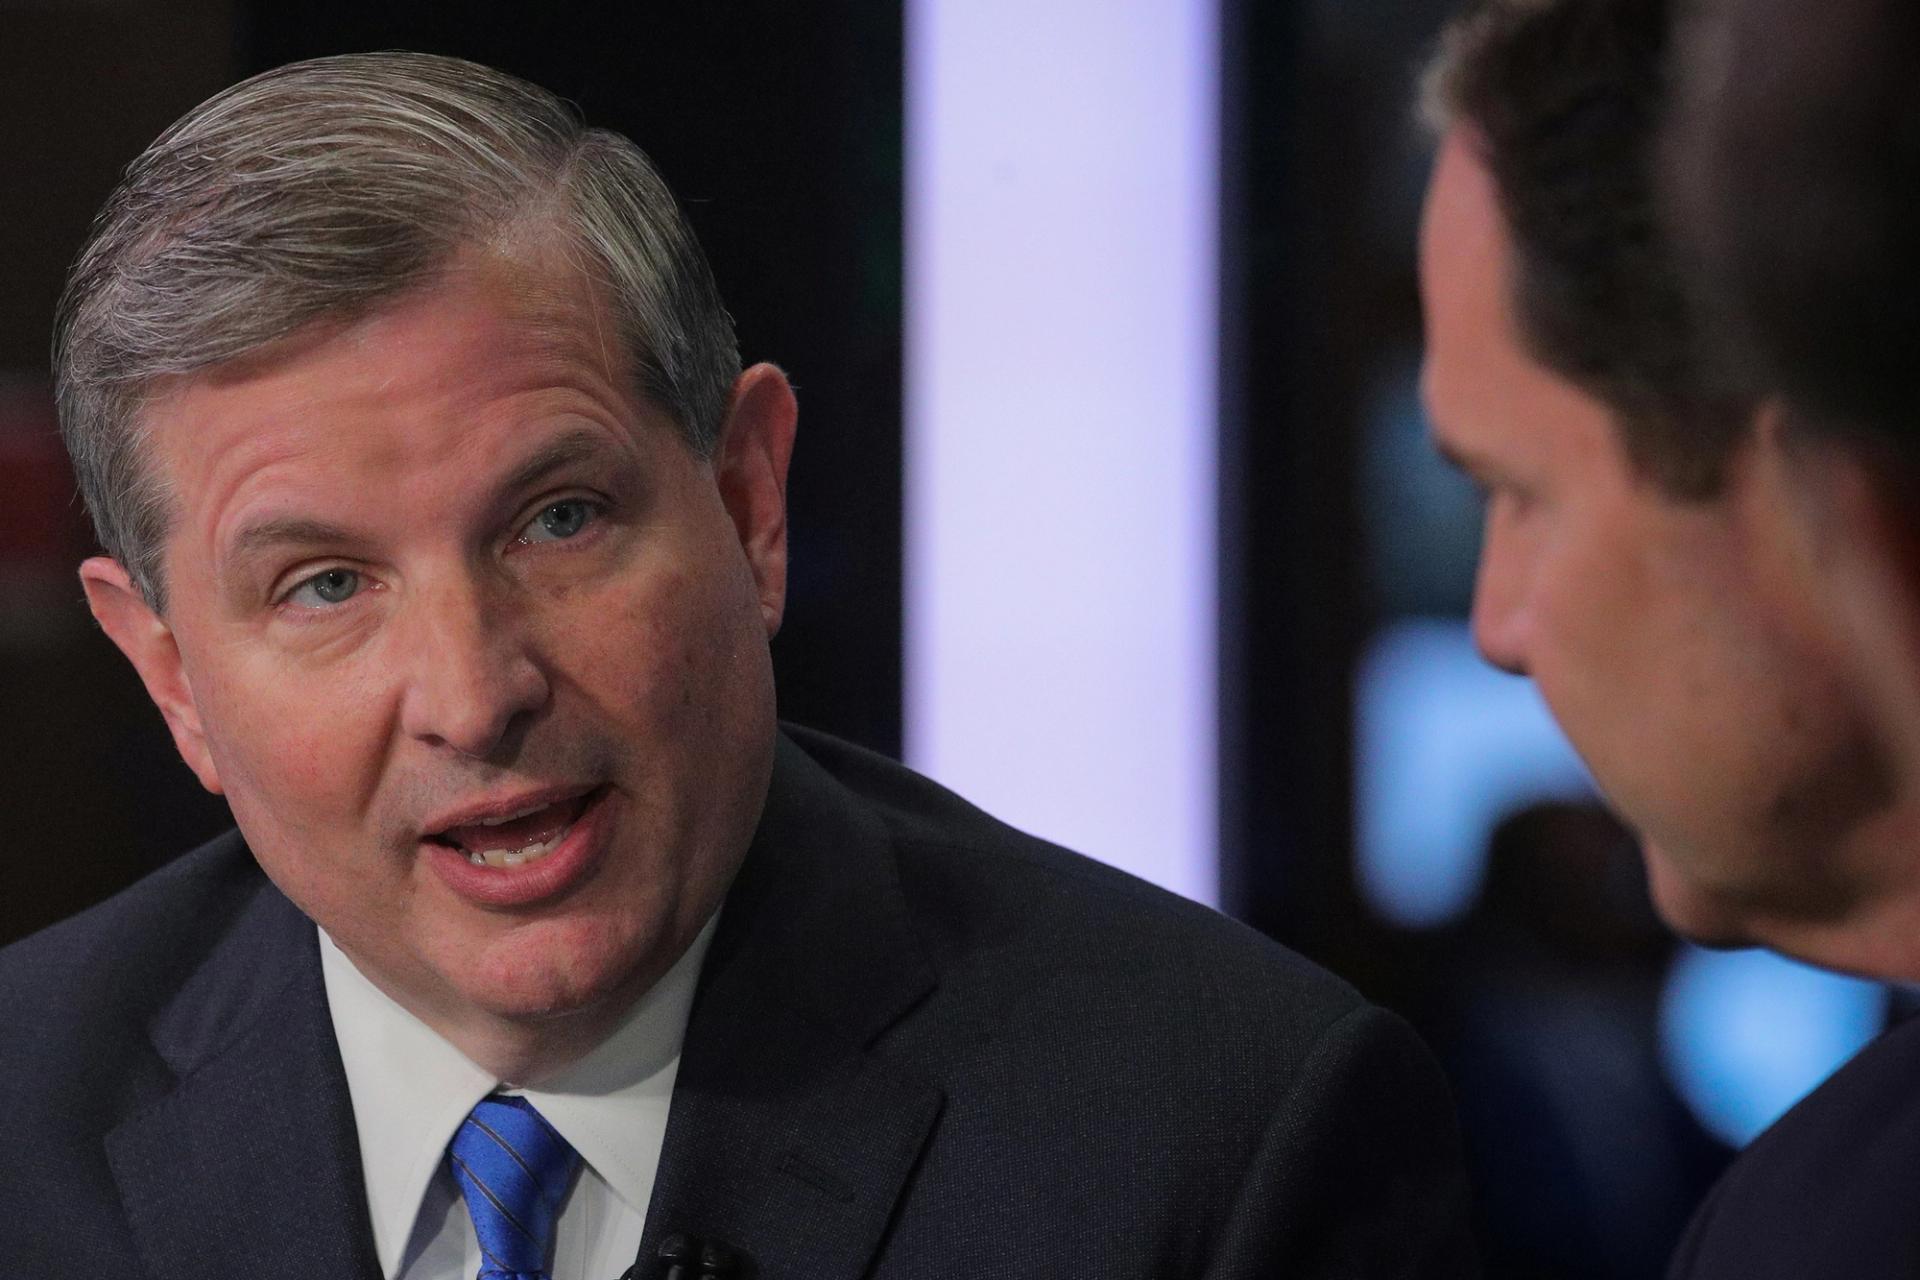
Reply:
x=684, y=1257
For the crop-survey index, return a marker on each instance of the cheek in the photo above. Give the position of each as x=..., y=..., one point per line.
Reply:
x=664, y=656
x=299, y=750
x=1690, y=908
x=641, y=644
x=303, y=792
x=1592, y=599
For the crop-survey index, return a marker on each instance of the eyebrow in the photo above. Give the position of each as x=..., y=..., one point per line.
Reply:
x=575, y=446
x=578, y=445
x=285, y=530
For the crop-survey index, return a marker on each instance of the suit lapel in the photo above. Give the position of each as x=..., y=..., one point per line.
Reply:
x=250, y=1166
x=789, y=1138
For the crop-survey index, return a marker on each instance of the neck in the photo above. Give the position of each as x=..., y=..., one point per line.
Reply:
x=524, y=1054
x=1875, y=933
x=525, y=1050
x=1882, y=942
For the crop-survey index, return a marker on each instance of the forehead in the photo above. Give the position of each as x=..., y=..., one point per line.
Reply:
x=1465, y=272
x=1489, y=401
x=486, y=325
x=460, y=375
x=484, y=305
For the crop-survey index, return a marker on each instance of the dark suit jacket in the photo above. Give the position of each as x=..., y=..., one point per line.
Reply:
x=922, y=1045
x=1832, y=1190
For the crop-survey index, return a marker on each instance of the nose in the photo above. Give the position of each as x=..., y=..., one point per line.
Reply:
x=1500, y=607
x=474, y=679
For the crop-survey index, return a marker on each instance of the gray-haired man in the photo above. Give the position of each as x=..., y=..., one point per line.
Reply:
x=448, y=536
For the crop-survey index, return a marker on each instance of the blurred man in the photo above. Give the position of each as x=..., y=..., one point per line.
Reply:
x=1793, y=171
x=1643, y=563
x=1794, y=175
x=1635, y=561
x=448, y=536
x=1794, y=156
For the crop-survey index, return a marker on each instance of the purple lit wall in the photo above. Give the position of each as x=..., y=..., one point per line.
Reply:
x=1061, y=411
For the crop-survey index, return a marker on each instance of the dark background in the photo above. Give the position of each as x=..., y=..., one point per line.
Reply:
x=779, y=126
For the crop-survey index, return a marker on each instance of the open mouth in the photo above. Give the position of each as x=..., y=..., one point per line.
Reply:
x=519, y=838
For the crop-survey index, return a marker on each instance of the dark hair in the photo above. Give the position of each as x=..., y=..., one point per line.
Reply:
x=1566, y=98
x=1795, y=170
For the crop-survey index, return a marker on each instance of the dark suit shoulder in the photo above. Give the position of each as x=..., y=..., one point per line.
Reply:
x=136, y=945
x=984, y=892
x=1828, y=1190
x=97, y=988
x=1214, y=1103
x=79, y=1001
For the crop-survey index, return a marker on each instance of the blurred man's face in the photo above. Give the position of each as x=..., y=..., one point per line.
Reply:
x=1676, y=642
x=475, y=647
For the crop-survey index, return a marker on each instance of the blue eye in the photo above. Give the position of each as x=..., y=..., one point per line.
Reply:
x=559, y=521
x=325, y=589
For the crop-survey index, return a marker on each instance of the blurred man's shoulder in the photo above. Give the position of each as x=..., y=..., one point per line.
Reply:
x=1828, y=1189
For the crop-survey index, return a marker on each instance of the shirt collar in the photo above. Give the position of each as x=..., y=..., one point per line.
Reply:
x=411, y=1089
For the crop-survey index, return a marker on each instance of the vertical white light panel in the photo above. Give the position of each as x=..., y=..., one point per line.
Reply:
x=1060, y=650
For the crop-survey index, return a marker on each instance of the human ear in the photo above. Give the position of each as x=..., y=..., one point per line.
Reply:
x=1855, y=502
x=144, y=636
x=751, y=469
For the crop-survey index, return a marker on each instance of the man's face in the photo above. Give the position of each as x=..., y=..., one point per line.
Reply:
x=444, y=592
x=1676, y=642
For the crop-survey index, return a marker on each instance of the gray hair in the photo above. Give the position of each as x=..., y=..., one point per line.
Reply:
x=321, y=190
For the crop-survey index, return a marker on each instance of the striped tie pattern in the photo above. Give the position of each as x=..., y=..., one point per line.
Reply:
x=513, y=1170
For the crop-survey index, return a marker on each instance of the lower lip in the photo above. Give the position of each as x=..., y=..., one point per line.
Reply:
x=530, y=883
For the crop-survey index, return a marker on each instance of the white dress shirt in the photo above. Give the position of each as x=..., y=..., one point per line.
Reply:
x=411, y=1089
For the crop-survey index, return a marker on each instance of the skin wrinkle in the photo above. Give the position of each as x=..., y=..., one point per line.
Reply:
x=548, y=324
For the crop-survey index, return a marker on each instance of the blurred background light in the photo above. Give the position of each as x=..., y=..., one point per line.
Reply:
x=1746, y=1034
x=1059, y=649
x=1446, y=747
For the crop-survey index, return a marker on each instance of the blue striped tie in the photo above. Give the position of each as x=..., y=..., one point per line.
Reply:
x=513, y=1170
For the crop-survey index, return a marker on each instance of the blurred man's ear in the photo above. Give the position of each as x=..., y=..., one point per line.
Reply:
x=1863, y=541
x=751, y=469
x=144, y=636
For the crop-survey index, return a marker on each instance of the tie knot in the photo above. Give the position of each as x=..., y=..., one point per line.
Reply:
x=513, y=1171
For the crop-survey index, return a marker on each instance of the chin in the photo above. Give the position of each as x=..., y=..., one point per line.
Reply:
x=1692, y=910
x=557, y=970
